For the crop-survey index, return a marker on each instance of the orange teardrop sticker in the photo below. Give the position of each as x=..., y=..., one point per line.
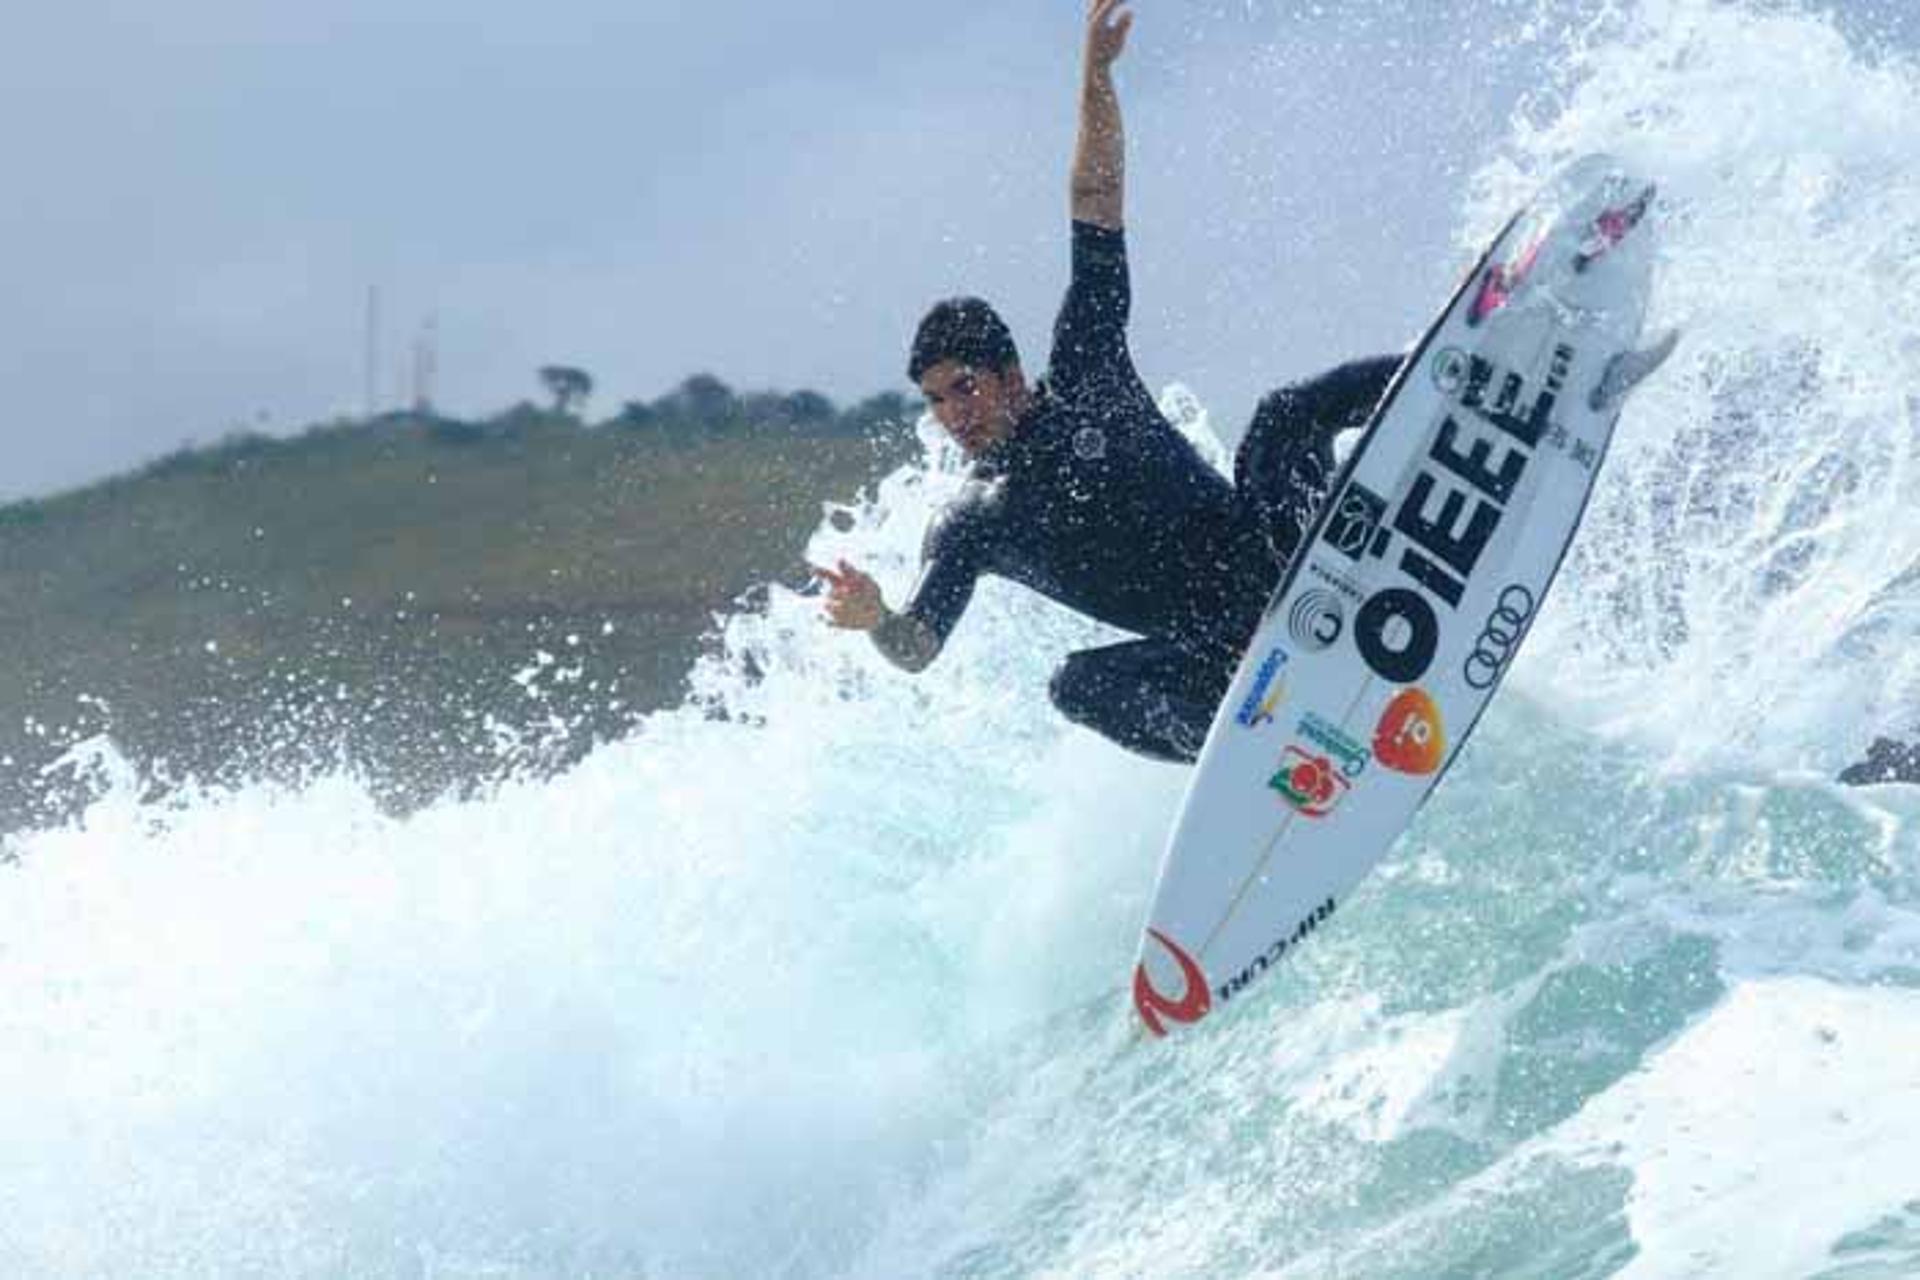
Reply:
x=1410, y=737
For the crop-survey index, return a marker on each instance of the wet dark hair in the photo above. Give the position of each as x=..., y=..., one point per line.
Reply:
x=967, y=330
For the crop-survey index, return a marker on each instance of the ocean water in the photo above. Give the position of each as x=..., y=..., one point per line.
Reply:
x=821, y=975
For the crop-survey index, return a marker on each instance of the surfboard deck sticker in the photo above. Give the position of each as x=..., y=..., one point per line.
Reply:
x=1412, y=592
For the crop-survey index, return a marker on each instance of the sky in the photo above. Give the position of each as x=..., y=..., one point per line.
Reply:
x=204, y=192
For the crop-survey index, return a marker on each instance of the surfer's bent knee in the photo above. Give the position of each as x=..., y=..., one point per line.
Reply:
x=1070, y=689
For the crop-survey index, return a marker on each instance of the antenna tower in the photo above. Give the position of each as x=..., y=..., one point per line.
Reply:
x=373, y=350
x=426, y=364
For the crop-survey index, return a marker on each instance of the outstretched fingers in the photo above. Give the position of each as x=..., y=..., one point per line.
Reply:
x=850, y=577
x=1110, y=16
x=842, y=581
x=1107, y=24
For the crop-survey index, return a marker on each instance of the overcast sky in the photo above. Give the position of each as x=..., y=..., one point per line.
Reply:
x=202, y=193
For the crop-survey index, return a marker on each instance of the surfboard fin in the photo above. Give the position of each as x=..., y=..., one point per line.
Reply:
x=1629, y=369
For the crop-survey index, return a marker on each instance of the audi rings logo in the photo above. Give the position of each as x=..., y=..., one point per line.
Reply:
x=1496, y=642
x=1316, y=620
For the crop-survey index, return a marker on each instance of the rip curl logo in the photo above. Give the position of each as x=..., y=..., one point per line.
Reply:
x=1089, y=443
x=1274, y=954
x=1410, y=737
x=1194, y=999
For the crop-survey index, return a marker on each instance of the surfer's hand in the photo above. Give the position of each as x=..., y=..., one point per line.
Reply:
x=1107, y=24
x=854, y=602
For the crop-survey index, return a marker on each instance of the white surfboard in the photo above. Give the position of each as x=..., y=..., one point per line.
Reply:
x=1412, y=592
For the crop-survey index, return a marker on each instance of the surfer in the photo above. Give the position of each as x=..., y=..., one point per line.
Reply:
x=1081, y=490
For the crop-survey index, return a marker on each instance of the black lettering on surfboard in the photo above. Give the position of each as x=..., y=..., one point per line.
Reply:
x=1442, y=534
x=1505, y=412
x=1397, y=633
x=1448, y=515
x=1474, y=464
x=1340, y=582
x=1561, y=365
x=1431, y=576
x=1274, y=954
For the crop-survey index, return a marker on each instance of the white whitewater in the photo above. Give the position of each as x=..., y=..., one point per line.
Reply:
x=822, y=975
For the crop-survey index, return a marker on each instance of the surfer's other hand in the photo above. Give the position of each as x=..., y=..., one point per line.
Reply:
x=854, y=602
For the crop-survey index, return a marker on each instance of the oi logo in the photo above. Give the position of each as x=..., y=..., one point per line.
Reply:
x=1410, y=737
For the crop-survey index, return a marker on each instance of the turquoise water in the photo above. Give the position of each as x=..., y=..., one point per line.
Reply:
x=822, y=975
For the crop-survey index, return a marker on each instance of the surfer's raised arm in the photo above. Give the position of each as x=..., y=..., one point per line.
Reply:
x=1099, y=157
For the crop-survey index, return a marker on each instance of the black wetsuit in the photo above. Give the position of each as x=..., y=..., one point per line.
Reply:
x=1097, y=502
x=1887, y=760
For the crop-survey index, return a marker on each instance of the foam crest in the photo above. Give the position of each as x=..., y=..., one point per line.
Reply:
x=693, y=1007
x=1737, y=589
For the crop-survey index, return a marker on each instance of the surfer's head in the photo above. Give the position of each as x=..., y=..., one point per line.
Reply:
x=966, y=365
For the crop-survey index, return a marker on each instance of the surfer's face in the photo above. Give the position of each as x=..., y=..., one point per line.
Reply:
x=977, y=407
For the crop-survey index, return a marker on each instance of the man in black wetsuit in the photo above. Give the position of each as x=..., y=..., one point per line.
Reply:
x=1081, y=490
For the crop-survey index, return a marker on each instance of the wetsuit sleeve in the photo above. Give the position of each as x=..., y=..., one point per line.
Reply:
x=1090, y=356
x=949, y=567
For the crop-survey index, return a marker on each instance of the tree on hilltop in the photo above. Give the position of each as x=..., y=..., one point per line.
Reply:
x=808, y=408
x=789, y=410
x=880, y=414
x=568, y=386
x=702, y=400
x=636, y=413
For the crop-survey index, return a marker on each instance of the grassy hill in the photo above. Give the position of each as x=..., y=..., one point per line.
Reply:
x=380, y=592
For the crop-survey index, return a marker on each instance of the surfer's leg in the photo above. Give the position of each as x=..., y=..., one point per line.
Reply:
x=1284, y=465
x=1150, y=696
